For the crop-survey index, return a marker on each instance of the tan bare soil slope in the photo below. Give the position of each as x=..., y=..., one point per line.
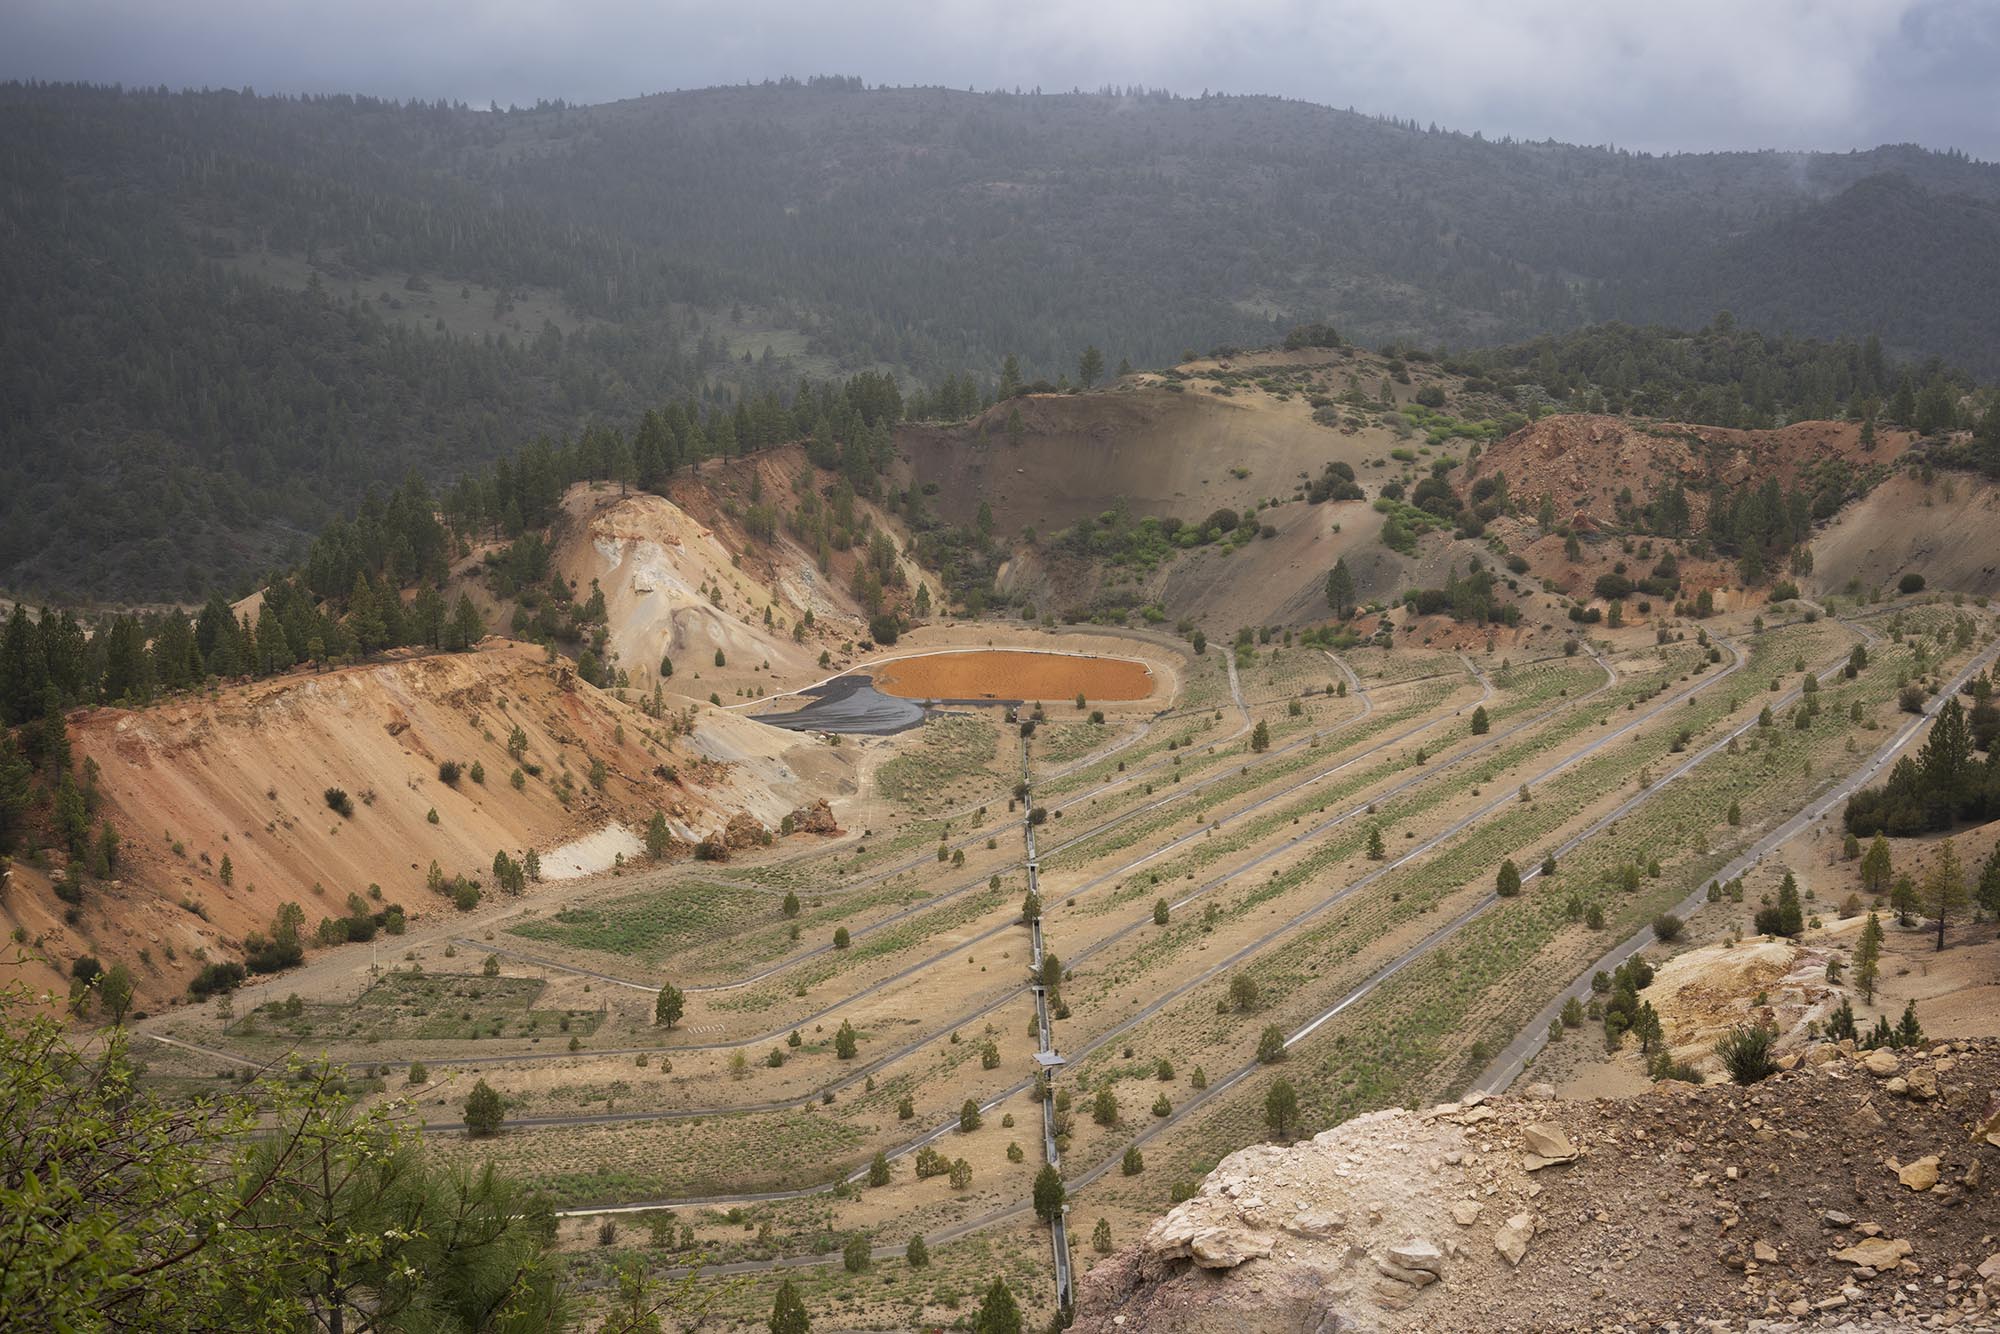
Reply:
x=1176, y=448
x=241, y=774
x=1947, y=529
x=1167, y=453
x=1844, y=1193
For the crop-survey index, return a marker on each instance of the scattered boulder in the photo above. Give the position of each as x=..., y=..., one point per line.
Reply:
x=1920, y=1175
x=1513, y=1238
x=1877, y=1253
x=744, y=831
x=814, y=819
x=1881, y=1062
x=1547, y=1145
x=1418, y=1254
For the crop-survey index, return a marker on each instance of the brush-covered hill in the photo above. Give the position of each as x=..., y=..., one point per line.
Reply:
x=1222, y=491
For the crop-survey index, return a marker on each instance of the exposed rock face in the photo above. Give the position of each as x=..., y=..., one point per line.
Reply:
x=814, y=819
x=1779, y=1207
x=743, y=831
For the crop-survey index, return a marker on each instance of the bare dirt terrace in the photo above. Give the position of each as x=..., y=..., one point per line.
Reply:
x=1014, y=674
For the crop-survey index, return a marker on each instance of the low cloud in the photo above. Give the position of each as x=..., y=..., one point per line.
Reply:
x=1698, y=74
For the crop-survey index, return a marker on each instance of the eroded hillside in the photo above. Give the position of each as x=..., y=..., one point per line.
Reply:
x=227, y=810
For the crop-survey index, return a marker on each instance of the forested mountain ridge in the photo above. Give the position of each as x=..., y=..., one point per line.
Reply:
x=225, y=311
x=1148, y=224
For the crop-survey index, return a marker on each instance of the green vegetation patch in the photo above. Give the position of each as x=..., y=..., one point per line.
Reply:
x=413, y=1005
x=953, y=748
x=652, y=924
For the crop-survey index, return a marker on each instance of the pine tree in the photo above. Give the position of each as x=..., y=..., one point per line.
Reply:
x=1868, y=958
x=467, y=628
x=1480, y=722
x=658, y=837
x=1987, y=896
x=998, y=1312
x=364, y=618
x=1508, y=883
x=1903, y=898
x=483, y=1110
x=1260, y=737
x=1340, y=590
x=72, y=816
x=1646, y=1025
x=15, y=778
x=670, y=1006
x=788, y=1313
x=1281, y=1106
x=1089, y=366
x=1376, y=852
x=273, y=650
x=1048, y=1193
x=1876, y=869
x=426, y=619
x=1944, y=889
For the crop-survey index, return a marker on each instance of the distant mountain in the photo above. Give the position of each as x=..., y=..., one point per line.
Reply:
x=228, y=316
x=1923, y=268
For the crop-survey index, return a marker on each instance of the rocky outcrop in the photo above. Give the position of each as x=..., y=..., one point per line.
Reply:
x=744, y=831
x=1820, y=1198
x=814, y=819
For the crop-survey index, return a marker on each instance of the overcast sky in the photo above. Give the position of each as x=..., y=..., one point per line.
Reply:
x=1687, y=74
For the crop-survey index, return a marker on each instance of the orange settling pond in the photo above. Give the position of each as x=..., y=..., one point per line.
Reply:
x=1012, y=674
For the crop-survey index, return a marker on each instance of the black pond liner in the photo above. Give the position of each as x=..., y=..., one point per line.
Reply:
x=851, y=704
